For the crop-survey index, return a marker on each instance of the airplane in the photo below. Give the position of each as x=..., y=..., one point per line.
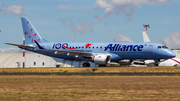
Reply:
x=101, y=53
x=167, y=62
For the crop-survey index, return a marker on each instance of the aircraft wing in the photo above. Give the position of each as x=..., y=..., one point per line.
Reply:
x=73, y=53
x=21, y=46
x=70, y=53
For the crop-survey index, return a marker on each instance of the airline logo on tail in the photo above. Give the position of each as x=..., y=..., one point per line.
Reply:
x=30, y=32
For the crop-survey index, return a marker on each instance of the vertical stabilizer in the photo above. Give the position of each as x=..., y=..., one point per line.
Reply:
x=30, y=32
x=145, y=37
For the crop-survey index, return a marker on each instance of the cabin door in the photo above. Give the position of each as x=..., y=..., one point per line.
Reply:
x=150, y=49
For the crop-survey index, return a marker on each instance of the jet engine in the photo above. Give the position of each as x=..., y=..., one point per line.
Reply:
x=101, y=59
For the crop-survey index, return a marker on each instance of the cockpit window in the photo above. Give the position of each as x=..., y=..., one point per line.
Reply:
x=159, y=47
x=164, y=47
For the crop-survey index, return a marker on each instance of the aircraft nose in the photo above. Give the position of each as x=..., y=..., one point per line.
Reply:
x=172, y=54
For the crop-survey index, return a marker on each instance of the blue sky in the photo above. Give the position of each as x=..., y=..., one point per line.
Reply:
x=92, y=20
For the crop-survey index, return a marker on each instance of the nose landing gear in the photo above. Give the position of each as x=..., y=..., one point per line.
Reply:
x=157, y=62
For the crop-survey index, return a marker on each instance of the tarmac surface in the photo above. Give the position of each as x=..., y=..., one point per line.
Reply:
x=97, y=74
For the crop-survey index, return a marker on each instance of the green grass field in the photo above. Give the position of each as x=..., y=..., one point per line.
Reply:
x=99, y=70
x=70, y=88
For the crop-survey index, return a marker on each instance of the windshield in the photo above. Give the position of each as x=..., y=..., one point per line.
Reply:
x=162, y=47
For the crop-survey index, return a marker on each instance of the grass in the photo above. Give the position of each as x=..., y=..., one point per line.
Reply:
x=89, y=88
x=99, y=70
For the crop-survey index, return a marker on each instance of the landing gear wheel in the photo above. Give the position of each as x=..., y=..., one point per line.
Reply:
x=156, y=64
x=86, y=64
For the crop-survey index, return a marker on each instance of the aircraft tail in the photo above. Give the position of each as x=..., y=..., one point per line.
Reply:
x=30, y=33
x=145, y=37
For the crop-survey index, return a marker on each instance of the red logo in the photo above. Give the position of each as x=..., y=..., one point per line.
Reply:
x=25, y=32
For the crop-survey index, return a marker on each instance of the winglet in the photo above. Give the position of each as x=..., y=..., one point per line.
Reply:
x=38, y=45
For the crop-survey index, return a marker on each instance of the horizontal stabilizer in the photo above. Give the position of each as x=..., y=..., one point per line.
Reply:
x=21, y=46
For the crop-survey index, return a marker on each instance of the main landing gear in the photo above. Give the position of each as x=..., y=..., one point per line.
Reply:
x=157, y=62
x=86, y=64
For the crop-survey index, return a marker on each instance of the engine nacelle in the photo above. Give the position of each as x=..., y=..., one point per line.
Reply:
x=101, y=59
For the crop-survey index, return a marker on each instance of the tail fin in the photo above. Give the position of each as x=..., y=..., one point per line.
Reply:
x=30, y=32
x=145, y=37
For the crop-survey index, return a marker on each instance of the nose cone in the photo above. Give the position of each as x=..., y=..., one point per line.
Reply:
x=171, y=54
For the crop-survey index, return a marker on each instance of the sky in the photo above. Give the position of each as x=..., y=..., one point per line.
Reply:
x=91, y=21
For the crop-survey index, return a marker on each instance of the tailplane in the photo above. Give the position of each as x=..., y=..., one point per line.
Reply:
x=30, y=32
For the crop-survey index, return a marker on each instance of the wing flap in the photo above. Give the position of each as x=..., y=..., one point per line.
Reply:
x=72, y=53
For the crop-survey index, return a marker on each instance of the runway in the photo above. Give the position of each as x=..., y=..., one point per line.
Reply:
x=97, y=74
